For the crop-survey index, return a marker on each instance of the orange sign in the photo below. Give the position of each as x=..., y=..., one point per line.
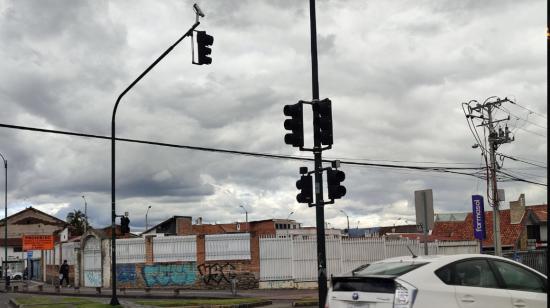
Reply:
x=37, y=242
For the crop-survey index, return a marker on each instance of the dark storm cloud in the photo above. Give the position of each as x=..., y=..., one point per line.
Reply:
x=396, y=72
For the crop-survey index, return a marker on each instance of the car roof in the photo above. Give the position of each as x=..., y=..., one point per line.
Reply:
x=444, y=259
x=437, y=258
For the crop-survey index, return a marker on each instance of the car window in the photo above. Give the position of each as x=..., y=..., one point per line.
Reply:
x=390, y=268
x=518, y=278
x=471, y=273
x=444, y=274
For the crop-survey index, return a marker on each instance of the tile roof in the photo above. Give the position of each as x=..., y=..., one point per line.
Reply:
x=540, y=212
x=463, y=230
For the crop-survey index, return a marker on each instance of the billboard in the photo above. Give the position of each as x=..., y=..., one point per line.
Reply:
x=478, y=217
x=37, y=242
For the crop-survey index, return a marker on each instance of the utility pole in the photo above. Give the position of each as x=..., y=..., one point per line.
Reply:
x=319, y=207
x=495, y=139
x=322, y=140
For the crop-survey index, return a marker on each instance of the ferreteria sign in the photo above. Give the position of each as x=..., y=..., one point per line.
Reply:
x=37, y=242
x=478, y=217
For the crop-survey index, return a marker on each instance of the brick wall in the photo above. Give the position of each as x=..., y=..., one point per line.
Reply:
x=184, y=226
x=52, y=274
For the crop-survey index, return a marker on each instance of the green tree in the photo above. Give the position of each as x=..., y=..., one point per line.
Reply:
x=77, y=220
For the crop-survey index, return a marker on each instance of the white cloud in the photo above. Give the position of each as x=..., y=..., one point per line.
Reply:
x=396, y=71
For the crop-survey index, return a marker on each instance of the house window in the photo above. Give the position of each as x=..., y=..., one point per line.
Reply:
x=533, y=232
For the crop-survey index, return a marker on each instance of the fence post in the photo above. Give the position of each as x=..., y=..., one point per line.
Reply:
x=384, y=242
x=292, y=259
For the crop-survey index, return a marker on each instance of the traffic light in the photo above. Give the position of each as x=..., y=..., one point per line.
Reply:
x=203, y=50
x=335, y=189
x=124, y=225
x=305, y=185
x=294, y=124
x=323, y=122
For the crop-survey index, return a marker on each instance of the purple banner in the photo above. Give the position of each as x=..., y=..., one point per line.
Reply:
x=478, y=217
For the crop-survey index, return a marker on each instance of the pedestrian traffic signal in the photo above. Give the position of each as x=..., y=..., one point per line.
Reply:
x=322, y=123
x=204, y=41
x=295, y=124
x=335, y=189
x=124, y=225
x=305, y=185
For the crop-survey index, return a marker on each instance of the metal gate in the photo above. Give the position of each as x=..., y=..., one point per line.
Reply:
x=92, y=262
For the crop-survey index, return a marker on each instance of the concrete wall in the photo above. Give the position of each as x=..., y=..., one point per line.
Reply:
x=189, y=275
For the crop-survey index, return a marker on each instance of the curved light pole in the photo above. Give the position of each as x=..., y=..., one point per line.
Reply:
x=245, y=213
x=289, y=215
x=347, y=217
x=5, y=222
x=114, y=300
x=146, y=222
x=85, y=214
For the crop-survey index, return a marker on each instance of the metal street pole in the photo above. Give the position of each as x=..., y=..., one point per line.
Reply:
x=319, y=206
x=5, y=222
x=85, y=214
x=146, y=221
x=114, y=299
x=347, y=217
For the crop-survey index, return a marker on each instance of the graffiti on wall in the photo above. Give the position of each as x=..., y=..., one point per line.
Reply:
x=160, y=275
x=92, y=278
x=216, y=273
x=126, y=273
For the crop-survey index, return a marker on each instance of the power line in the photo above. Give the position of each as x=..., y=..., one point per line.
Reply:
x=451, y=170
x=518, y=117
x=520, y=160
x=531, y=111
x=517, y=179
x=265, y=155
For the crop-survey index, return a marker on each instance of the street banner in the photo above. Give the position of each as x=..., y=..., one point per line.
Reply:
x=37, y=242
x=478, y=217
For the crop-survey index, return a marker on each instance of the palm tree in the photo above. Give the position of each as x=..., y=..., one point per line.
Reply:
x=77, y=220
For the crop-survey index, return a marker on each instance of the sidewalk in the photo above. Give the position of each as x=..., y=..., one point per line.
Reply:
x=157, y=293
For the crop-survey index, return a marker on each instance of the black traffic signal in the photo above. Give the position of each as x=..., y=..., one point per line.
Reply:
x=124, y=225
x=334, y=179
x=323, y=122
x=203, y=50
x=305, y=185
x=294, y=124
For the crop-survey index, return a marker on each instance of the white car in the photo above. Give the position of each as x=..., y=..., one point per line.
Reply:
x=454, y=281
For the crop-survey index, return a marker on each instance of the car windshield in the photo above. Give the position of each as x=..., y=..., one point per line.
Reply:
x=389, y=268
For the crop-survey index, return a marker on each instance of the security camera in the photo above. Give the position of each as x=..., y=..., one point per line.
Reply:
x=198, y=10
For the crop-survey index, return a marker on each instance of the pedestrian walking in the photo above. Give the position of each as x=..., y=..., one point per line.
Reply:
x=64, y=273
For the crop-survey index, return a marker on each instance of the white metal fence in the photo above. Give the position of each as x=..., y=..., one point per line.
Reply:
x=64, y=251
x=287, y=258
x=68, y=252
x=227, y=246
x=175, y=248
x=130, y=250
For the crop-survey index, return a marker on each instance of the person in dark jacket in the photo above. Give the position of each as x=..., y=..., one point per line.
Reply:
x=64, y=273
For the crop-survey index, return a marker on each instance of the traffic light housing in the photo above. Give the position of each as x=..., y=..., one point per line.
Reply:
x=295, y=124
x=204, y=42
x=124, y=225
x=323, y=122
x=305, y=185
x=335, y=189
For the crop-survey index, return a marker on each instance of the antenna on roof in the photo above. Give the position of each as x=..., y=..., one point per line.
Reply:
x=412, y=253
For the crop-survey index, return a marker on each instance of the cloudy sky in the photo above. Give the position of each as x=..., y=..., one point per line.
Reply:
x=396, y=72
